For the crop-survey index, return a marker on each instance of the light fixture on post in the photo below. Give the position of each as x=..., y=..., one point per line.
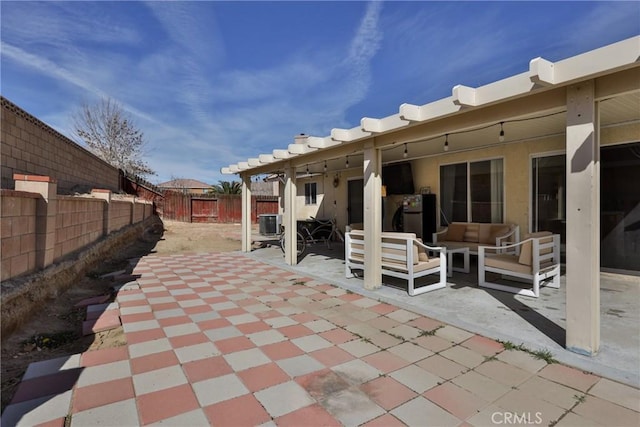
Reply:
x=446, y=142
x=347, y=162
x=325, y=166
x=406, y=153
x=501, y=137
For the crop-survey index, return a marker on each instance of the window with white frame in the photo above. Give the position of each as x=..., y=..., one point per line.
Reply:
x=310, y=193
x=472, y=192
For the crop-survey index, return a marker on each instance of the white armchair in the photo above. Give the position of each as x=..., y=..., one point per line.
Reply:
x=537, y=261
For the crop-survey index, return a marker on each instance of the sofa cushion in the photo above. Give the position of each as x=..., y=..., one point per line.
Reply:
x=526, y=256
x=484, y=233
x=455, y=232
x=421, y=266
x=426, y=265
x=498, y=230
x=472, y=233
x=507, y=262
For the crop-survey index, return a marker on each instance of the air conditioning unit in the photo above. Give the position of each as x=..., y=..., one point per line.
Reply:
x=269, y=224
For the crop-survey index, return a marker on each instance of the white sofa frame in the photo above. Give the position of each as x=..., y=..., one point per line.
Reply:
x=400, y=253
x=548, y=276
x=513, y=235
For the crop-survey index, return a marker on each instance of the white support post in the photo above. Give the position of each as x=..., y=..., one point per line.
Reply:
x=583, y=220
x=372, y=216
x=289, y=217
x=246, y=213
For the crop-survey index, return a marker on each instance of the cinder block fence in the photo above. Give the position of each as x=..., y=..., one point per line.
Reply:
x=40, y=227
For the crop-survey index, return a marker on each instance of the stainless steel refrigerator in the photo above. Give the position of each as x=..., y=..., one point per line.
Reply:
x=419, y=215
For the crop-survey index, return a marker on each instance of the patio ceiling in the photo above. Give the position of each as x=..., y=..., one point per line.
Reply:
x=423, y=128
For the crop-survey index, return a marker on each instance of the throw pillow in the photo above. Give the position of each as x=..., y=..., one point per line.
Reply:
x=422, y=252
x=526, y=256
x=455, y=232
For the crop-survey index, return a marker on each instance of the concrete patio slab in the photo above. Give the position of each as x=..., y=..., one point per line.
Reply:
x=535, y=323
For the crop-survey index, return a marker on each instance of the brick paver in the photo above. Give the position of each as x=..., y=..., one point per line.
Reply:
x=224, y=339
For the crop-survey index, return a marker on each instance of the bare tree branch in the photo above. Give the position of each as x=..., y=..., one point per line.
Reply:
x=109, y=132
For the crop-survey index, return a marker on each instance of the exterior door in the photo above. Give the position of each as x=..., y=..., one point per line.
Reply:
x=548, y=198
x=355, y=203
x=619, y=203
x=620, y=207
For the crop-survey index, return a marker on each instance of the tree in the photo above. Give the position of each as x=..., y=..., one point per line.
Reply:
x=227, y=187
x=109, y=132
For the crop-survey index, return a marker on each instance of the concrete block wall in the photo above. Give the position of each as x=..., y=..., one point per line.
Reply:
x=40, y=227
x=18, y=227
x=148, y=210
x=138, y=212
x=119, y=214
x=29, y=146
x=79, y=222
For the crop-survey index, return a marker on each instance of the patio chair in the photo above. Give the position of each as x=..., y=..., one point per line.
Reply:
x=537, y=264
x=403, y=256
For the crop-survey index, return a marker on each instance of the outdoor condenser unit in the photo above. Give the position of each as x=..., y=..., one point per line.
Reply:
x=269, y=224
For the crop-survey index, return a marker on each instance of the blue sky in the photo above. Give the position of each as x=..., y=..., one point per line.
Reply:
x=214, y=83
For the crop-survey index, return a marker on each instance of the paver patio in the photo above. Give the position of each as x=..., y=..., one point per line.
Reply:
x=224, y=339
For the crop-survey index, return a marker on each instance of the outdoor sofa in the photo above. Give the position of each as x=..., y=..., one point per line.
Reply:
x=473, y=234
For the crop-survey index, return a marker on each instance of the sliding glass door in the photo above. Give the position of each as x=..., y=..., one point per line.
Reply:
x=548, y=198
x=619, y=203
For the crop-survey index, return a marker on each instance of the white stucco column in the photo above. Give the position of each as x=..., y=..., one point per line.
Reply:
x=289, y=216
x=246, y=213
x=372, y=216
x=583, y=220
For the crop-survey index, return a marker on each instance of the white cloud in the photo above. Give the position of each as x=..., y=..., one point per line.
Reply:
x=605, y=24
x=166, y=63
x=62, y=24
x=366, y=42
x=192, y=27
x=253, y=111
x=46, y=67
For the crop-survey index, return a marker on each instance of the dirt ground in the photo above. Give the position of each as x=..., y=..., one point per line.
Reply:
x=56, y=329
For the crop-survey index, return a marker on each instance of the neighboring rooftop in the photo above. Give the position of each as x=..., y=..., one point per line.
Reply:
x=184, y=183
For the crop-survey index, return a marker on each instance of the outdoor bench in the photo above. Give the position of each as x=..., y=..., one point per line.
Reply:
x=402, y=256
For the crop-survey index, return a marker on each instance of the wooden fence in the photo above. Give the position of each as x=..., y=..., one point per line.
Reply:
x=223, y=208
